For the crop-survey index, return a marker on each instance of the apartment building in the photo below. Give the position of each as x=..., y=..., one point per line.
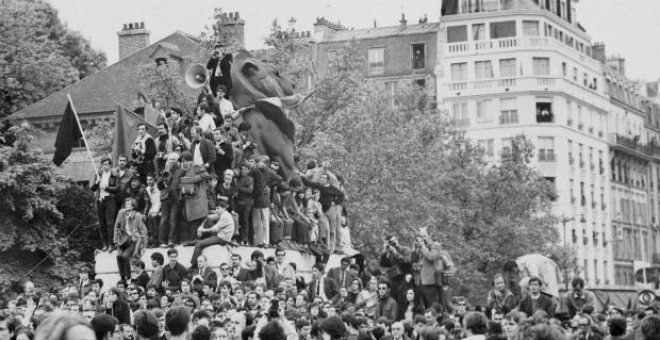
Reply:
x=510, y=67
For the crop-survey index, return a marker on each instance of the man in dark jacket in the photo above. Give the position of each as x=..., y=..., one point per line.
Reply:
x=535, y=300
x=320, y=285
x=170, y=201
x=202, y=149
x=264, y=178
x=173, y=272
x=386, y=306
x=224, y=152
x=244, y=189
x=106, y=186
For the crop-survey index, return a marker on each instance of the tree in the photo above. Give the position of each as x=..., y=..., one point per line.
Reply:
x=38, y=54
x=407, y=168
x=567, y=260
x=39, y=214
x=163, y=83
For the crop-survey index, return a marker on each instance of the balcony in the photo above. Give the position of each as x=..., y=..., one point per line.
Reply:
x=521, y=42
x=634, y=147
x=543, y=84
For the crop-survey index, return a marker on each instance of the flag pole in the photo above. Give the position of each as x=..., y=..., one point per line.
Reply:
x=82, y=132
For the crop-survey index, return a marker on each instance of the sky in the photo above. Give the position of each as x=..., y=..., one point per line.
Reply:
x=628, y=28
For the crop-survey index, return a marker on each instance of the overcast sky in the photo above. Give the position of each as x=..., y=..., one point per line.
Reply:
x=629, y=28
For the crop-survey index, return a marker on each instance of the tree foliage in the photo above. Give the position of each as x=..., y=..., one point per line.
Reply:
x=407, y=168
x=45, y=223
x=38, y=54
x=217, y=32
x=163, y=83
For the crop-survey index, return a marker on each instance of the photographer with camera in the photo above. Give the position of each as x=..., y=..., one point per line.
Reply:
x=436, y=263
x=165, y=144
x=395, y=261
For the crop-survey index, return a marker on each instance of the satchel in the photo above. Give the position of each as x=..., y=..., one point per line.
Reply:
x=188, y=187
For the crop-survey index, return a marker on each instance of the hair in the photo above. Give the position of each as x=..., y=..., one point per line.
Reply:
x=280, y=250
x=334, y=327
x=577, y=281
x=617, y=326
x=201, y=333
x=57, y=324
x=535, y=279
x=139, y=264
x=517, y=317
x=543, y=331
x=106, y=159
x=204, y=107
x=244, y=126
x=302, y=323
x=146, y=324
x=650, y=327
x=272, y=331
x=237, y=255
x=176, y=110
x=26, y=331
x=158, y=257
x=177, y=319
x=172, y=251
x=248, y=332
x=102, y=324
x=319, y=266
x=142, y=124
x=476, y=322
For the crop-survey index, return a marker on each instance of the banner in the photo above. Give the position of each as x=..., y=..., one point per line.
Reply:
x=126, y=123
x=68, y=135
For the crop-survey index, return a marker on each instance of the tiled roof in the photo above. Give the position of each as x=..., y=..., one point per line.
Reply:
x=381, y=32
x=115, y=84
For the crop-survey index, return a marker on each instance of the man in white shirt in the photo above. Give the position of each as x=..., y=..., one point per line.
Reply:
x=206, y=121
x=222, y=229
x=284, y=269
x=153, y=210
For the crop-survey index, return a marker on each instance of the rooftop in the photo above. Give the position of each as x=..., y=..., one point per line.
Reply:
x=381, y=32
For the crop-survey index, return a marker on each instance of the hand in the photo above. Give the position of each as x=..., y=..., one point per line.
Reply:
x=166, y=283
x=408, y=278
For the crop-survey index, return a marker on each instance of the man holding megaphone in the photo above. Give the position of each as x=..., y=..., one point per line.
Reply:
x=220, y=70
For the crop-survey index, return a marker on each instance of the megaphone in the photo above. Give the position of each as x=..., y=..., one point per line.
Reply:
x=196, y=76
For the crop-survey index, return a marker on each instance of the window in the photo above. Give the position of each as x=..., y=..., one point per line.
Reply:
x=530, y=28
x=564, y=71
x=569, y=112
x=376, y=60
x=507, y=68
x=456, y=34
x=548, y=30
x=571, y=159
x=541, y=66
x=461, y=114
x=487, y=146
x=507, y=147
x=459, y=72
x=544, y=112
x=504, y=29
x=479, y=32
x=483, y=111
x=508, y=111
x=483, y=69
x=546, y=149
x=418, y=56
x=575, y=74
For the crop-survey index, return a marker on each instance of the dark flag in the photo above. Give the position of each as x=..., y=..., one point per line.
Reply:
x=126, y=131
x=68, y=135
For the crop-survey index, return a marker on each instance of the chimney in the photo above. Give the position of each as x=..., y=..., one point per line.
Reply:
x=618, y=63
x=598, y=52
x=232, y=22
x=403, y=20
x=132, y=38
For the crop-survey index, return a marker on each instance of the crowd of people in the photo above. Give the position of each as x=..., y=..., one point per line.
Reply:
x=405, y=297
x=202, y=181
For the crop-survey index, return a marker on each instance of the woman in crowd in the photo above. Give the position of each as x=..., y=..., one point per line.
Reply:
x=411, y=307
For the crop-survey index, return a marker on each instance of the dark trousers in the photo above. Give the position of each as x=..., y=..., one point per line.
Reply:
x=201, y=244
x=276, y=227
x=124, y=255
x=169, y=220
x=153, y=226
x=244, y=211
x=107, y=212
x=432, y=294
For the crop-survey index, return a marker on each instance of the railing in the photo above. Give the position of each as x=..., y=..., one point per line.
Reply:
x=526, y=83
x=532, y=42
